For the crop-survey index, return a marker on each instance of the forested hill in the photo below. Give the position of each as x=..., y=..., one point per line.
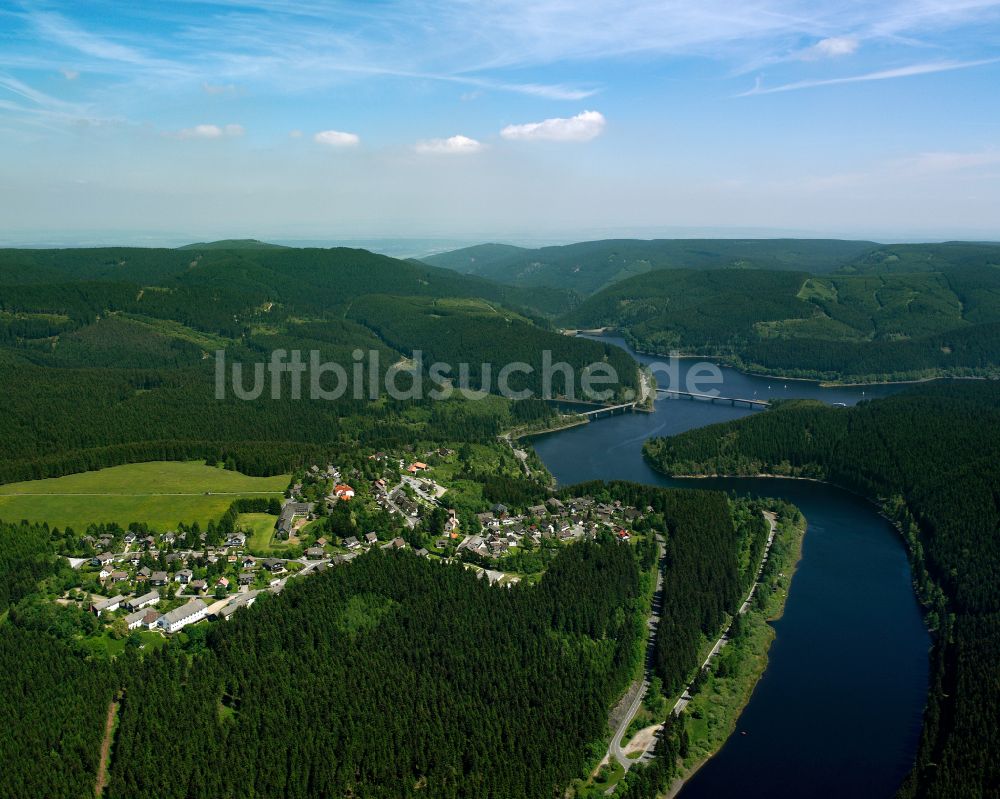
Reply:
x=864, y=327
x=393, y=675
x=233, y=244
x=933, y=456
x=310, y=277
x=588, y=266
x=111, y=352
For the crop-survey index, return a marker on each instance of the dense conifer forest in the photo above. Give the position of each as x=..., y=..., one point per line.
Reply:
x=394, y=675
x=113, y=353
x=866, y=325
x=931, y=456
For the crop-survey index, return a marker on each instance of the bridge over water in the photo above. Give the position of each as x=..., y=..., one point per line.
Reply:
x=734, y=401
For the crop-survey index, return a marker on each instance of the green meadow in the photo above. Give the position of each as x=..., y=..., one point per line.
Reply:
x=159, y=493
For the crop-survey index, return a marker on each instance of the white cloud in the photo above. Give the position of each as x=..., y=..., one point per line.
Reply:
x=885, y=74
x=583, y=127
x=211, y=132
x=832, y=47
x=337, y=138
x=453, y=144
x=70, y=74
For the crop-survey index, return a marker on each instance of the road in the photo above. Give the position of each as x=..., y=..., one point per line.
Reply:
x=615, y=749
x=520, y=454
x=724, y=638
x=388, y=499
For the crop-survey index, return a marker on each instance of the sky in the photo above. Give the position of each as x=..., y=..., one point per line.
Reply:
x=508, y=120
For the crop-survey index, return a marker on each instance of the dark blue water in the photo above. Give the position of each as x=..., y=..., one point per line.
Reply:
x=838, y=710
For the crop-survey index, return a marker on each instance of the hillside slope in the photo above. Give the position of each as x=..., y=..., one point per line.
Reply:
x=931, y=456
x=862, y=327
x=589, y=266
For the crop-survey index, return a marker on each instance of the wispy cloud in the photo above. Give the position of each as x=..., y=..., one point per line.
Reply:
x=211, y=132
x=885, y=74
x=70, y=74
x=832, y=47
x=39, y=98
x=457, y=145
x=582, y=127
x=337, y=138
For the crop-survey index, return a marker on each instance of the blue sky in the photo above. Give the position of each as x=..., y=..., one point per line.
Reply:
x=510, y=120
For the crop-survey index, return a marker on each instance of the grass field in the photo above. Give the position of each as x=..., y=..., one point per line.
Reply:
x=261, y=526
x=160, y=493
x=106, y=646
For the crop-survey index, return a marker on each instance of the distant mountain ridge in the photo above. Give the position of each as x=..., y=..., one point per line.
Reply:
x=234, y=244
x=587, y=267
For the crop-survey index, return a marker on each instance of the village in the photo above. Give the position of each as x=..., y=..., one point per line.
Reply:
x=163, y=582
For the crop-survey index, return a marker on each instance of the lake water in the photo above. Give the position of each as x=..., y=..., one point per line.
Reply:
x=838, y=710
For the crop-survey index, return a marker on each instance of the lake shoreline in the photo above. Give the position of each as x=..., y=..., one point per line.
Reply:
x=822, y=382
x=761, y=667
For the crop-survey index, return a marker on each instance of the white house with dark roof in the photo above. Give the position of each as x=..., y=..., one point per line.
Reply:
x=179, y=618
x=143, y=601
x=110, y=605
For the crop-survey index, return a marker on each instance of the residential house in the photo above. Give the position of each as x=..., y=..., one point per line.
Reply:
x=273, y=565
x=197, y=586
x=158, y=578
x=236, y=540
x=246, y=578
x=150, y=619
x=238, y=602
x=109, y=605
x=184, y=576
x=344, y=492
x=102, y=560
x=134, y=620
x=119, y=576
x=289, y=511
x=144, y=601
x=190, y=613
x=351, y=542
x=315, y=553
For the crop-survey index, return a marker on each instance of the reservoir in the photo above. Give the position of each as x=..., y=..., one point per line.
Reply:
x=838, y=710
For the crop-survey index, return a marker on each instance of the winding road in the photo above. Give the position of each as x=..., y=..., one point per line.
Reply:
x=615, y=749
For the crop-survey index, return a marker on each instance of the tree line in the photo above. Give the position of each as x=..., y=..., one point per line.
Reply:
x=932, y=455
